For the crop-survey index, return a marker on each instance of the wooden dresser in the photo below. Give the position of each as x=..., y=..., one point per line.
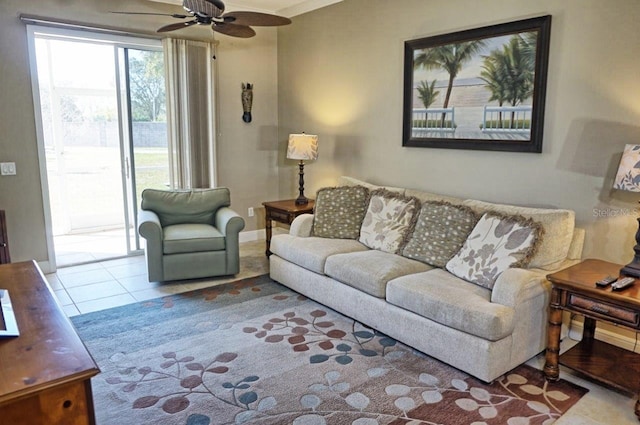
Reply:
x=45, y=372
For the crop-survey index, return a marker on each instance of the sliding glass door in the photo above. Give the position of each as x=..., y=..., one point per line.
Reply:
x=102, y=138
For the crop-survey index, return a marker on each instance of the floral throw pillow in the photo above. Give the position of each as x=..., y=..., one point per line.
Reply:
x=339, y=211
x=441, y=230
x=389, y=221
x=495, y=244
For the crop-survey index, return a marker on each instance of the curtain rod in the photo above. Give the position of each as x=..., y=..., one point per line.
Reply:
x=39, y=20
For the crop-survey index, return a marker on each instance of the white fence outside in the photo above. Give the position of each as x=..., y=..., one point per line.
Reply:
x=507, y=119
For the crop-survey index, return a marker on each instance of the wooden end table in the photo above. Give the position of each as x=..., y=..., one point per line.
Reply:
x=574, y=290
x=45, y=373
x=283, y=212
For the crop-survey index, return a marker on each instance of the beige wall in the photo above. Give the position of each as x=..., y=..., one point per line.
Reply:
x=340, y=76
x=247, y=152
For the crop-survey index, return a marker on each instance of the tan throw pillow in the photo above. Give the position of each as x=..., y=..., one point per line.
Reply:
x=441, y=230
x=558, y=225
x=339, y=211
x=495, y=244
x=389, y=221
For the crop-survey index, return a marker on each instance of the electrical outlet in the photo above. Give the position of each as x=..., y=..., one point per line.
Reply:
x=8, y=168
x=250, y=212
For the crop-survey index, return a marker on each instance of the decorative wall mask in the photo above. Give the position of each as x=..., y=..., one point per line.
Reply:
x=247, y=100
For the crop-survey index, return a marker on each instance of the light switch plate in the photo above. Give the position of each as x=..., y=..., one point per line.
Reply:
x=8, y=168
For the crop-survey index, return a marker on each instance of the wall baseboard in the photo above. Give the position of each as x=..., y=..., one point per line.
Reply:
x=252, y=235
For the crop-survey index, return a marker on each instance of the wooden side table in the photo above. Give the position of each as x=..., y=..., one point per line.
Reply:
x=283, y=212
x=4, y=240
x=574, y=290
x=46, y=371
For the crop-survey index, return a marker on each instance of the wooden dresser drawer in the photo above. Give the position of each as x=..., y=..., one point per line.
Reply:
x=612, y=312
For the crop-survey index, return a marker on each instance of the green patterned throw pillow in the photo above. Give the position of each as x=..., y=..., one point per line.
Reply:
x=440, y=232
x=495, y=244
x=339, y=211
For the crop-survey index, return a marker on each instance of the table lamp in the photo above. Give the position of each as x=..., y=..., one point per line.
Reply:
x=628, y=178
x=303, y=147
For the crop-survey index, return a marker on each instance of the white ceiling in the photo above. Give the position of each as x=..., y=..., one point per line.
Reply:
x=288, y=8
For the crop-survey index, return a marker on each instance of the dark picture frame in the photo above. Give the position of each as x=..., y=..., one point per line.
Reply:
x=481, y=89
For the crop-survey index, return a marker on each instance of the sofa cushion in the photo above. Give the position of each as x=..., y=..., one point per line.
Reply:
x=453, y=302
x=430, y=196
x=389, y=221
x=351, y=181
x=185, y=206
x=180, y=238
x=496, y=243
x=558, y=228
x=369, y=271
x=311, y=252
x=339, y=211
x=440, y=231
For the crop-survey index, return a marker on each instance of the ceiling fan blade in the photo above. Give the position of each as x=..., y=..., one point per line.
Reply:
x=255, y=19
x=173, y=15
x=179, y=25
x=233, y=30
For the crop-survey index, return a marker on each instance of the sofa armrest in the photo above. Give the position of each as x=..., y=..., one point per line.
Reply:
x=515, y=286
x=301, y=226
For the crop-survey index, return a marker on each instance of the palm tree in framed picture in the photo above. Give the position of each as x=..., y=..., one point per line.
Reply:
x=449, y=57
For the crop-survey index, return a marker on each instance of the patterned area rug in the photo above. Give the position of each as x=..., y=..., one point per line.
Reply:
x=254, y=352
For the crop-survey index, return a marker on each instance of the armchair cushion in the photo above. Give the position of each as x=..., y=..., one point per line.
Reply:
x=179, y=238
x=178, y=207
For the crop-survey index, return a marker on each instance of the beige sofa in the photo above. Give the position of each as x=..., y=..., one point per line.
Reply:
x=484, y=332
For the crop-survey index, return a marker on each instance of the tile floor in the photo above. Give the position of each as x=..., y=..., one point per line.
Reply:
x=90, y=287
x=111, y=283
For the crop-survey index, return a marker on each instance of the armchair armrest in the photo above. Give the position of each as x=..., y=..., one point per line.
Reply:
x=514, y=286
x=301, y=226
x=230, y=223
x=149, y=228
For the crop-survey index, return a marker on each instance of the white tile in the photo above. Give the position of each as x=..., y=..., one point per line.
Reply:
x=122, y=261
x=70, y=310
x=94, y=291
x=63, y=297
x=85, y=278
x=128, y=270
x=138, y=283
x=64, y=271
x=54, y=282
x=105, y=303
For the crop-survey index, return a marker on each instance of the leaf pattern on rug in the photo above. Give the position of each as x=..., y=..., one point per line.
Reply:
x=275, y=357
x=303, y=333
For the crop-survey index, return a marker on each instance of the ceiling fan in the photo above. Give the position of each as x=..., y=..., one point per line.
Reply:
x=211, y=12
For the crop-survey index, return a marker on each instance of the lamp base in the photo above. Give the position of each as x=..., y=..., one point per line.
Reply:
x=301, y=200
x=633, y=268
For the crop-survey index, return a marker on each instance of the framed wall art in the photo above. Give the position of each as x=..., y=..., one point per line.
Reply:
x=478, y=89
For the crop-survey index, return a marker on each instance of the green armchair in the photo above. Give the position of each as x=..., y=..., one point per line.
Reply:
x=189, y=234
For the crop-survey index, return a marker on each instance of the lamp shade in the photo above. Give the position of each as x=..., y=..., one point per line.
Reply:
x=303, y=147
x=628, y=177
